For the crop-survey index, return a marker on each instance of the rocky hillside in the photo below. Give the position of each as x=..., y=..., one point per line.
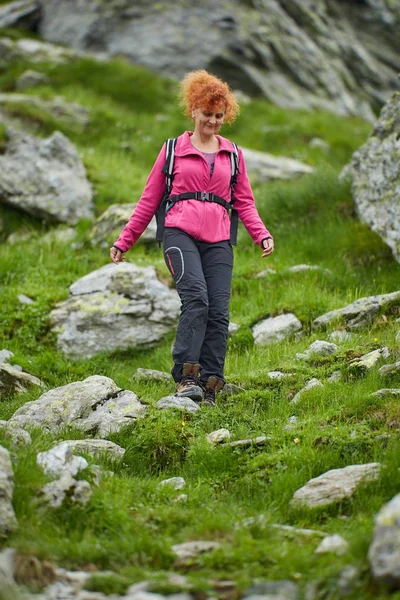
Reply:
x=338, y=55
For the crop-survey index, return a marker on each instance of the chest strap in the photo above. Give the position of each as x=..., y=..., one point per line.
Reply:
x=202, y=196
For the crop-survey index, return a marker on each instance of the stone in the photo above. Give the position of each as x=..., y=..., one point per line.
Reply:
x=109, y=225
x=51, y=185
x=59, y=235
x=317, y=349
x=232, y=328
x=384, y=551
x=176, y=483
x=360, y=313
x=30, y=79
x=301, y=268
x=20, y=12
x=5, y=356
x=7, y=567
x=388, y=370
x=230, y=389
x=335, y=377
x=179, y=403
x=151, y=375
x=115, y=307
x=339, y=335
x=368, y=361
x=218, y=436
x=375, y=174
x=316, y=142
x=25, y=299
x=278, y=375
x=298, y=531
x=14, y=380
x=334, y=485
x=265, y=273
x=334, y=544
x=313, y=383
x=257, y=441
x=96, y=405
x=57, y=491
x=8, y=520
x=275, y=329
x=60, y=460
x=19, y=437
x=189, y=551
x=272, y=590
x=262, y=166
x=395, y=392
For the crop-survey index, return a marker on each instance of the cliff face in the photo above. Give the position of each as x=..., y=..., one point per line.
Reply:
x=335, y=54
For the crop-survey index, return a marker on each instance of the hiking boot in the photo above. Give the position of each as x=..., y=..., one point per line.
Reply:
x=190, y=386
x=211, y=388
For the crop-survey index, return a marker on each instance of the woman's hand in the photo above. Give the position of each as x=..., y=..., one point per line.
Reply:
x=116, y=255
x=268, y=246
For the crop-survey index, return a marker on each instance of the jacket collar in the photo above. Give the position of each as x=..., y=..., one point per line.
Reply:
x=184, y=146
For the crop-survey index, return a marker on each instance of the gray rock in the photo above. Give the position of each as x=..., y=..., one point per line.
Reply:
x=8, y=520
x=313, y=383
x=19, y=437
x=60, y=460
x=349, y=577
x=232, y=328
x=218, y=436
x=59, y=235
x=35, y=51
x=151, y=375
x=388, y=370
x=275, y=329
x=109, y=225
x=272, y=590
x=368, y=361
x=317, y=349
x=13, y=380
x=7, y=567
x=177, y=483
x=386, y=392
x=298, y=531
x=95, y=405
x=179, y=403
x=339, y=336
x=116, y=307
x=278, y=375
x=334, y=544
x=301, y=268
x=375, y=173
x=257, y=441
x=20, y=12
x=335, y=377
x=230, y=389
x=52, y=183
x=384, y=551
x=25, y=299
x=316, y=142
x=55, y=492
x=334, y=485
x=5, y=356
x=191, y=550
x=262, y=166
x=265, y=273
x=360, y=313
x=30, y=79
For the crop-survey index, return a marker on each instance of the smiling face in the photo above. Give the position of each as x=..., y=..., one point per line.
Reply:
x=208, y=120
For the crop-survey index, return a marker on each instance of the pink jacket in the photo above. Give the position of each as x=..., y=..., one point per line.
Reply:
x=205, y=221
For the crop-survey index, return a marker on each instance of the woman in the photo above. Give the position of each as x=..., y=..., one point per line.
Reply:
x=197, y=248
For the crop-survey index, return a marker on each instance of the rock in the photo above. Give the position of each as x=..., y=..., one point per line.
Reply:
x=298, y=531
x=316, y=142
x=232, y=328
x=30, y=79
x=360, y=313
x=177, y=483
x=178, y=402
x=291, y=53
x=218, y=436
x=35, y=51
x=115, y=307
x=8, y=520
x=275, y=329
x=262, y=166
x=317, y=349
x=19, y=436
x=59, y=235
x=302, y=268
x=334, y=544
x=151, y=375
x=335, y=377
x=14, y=380
x=375, y=174
x=334, y=485
x=21, y=12
x=52, y=183
x=349, y=577
x=265, y=273
x=109, y=225
x=257, y=441
x=7, y=567
x=60, y=460
x=313, y=383
x=386, y=392
x=339, y=336
x=272, y=590
x=388, y=370
x=5, y=356
x=278, y=375
x=189, y=551
x=25, y=299
x=368, y=361
x=96, y=405
x=55, y=492
x=58, y=108
x=230, y=389
x=384, y=551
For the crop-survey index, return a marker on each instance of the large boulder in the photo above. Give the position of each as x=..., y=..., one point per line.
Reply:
x=384, y=552
x=340, y=56
x=45, y=178
x=375, y=173
x=95, y=405
x=108, y=226
x=8, y=520
x=116, y=307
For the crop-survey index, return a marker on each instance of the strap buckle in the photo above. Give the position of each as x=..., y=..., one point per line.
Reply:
x=205, y=196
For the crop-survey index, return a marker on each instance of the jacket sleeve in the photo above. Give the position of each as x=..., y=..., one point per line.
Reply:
x=246, y=207
x=147, y=206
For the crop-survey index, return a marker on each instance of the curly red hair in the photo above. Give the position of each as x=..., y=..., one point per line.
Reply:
x=200, y=89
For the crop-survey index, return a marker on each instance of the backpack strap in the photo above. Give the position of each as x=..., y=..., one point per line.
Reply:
x=234, y=214
x=168, y=171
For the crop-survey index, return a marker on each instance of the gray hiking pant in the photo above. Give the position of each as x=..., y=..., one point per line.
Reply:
x=202, y=273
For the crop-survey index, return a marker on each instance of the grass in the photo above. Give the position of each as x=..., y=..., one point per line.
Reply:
x=130, y=524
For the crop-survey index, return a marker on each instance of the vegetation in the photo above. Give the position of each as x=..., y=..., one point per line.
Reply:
x=130, y=524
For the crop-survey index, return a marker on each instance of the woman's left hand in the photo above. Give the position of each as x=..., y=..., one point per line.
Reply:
x=268, y=246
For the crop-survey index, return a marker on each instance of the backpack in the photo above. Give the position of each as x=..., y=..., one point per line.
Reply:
x=168, y=201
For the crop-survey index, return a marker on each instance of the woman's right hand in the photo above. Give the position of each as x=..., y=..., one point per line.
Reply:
x=116, y=255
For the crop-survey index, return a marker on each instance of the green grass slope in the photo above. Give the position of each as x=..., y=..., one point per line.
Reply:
x=129, y=524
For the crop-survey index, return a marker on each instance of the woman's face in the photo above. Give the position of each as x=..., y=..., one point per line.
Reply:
x=209, y=120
